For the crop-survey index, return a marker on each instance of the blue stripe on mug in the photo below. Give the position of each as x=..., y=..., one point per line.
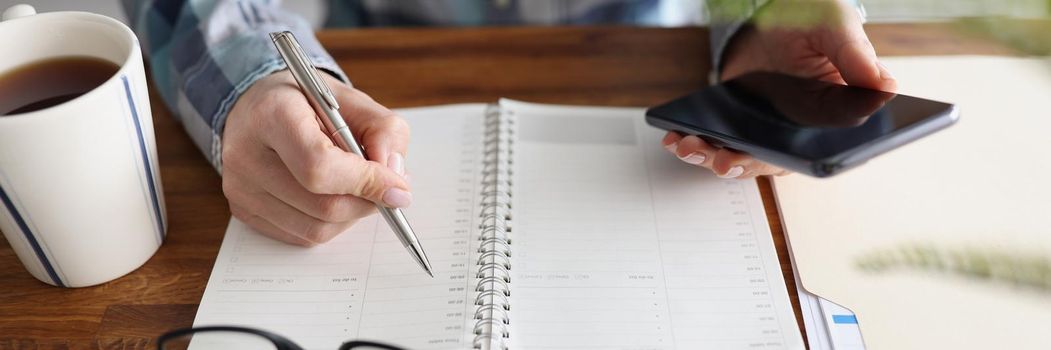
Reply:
x=30, y=237
x=145, y=159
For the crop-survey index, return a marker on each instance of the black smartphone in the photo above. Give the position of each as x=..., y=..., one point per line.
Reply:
x=804, y=125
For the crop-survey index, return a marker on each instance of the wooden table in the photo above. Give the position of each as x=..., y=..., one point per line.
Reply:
x=400, y=68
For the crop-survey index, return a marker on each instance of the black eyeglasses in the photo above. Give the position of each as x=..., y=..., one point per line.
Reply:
x=230, y=337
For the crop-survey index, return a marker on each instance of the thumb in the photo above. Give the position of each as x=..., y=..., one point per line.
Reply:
x=339, y=172
x=850, y=51
x=378, y=183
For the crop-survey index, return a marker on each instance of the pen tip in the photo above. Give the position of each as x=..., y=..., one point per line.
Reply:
x=430, y=273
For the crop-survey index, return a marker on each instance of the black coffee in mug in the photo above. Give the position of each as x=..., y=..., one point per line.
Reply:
x=50, y=82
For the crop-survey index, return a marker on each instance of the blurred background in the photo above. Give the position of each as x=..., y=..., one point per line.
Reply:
x=1022, y=25
x=878, y=10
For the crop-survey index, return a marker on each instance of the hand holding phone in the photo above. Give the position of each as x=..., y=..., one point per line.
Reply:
x=808, y=126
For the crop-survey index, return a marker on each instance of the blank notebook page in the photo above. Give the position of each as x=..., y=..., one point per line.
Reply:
x=617, y=244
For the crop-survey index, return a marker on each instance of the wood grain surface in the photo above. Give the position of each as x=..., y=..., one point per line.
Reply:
x=618, y=66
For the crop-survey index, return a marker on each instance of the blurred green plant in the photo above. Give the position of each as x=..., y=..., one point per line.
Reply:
x=988, y=263
x=1031, y=36
x=786, y=14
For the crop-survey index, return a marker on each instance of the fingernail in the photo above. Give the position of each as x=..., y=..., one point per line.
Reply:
x=884, y=73
x=671, y=147
x=736, y=171
x=397, y=198
x=397, y=163
x=695, y=158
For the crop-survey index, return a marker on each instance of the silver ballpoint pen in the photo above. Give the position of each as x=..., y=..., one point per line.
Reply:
x=324, y=102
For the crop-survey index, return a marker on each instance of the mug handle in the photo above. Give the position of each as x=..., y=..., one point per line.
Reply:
x=16, y=11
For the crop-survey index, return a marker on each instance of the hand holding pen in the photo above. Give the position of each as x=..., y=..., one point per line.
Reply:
x=324, y=102
x=284, y=176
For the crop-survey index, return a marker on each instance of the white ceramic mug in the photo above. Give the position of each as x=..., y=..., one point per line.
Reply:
x=80, y=193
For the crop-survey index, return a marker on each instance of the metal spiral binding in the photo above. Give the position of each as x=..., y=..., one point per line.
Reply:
x=493, y=299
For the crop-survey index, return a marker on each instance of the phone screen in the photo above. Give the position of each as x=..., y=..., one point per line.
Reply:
x=806, y=118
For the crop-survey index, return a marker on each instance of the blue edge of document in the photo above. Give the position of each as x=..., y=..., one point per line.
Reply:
x=828, y=325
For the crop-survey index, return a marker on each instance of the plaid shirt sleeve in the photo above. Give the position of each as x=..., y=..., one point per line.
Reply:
x=204, y=54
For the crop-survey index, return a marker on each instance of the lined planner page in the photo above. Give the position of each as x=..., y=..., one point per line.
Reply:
x=363, y=284
x=618, y=245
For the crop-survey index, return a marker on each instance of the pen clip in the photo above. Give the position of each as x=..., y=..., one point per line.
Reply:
x=289, y=41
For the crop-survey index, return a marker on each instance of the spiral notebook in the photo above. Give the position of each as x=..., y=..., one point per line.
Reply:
x=549, y=227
